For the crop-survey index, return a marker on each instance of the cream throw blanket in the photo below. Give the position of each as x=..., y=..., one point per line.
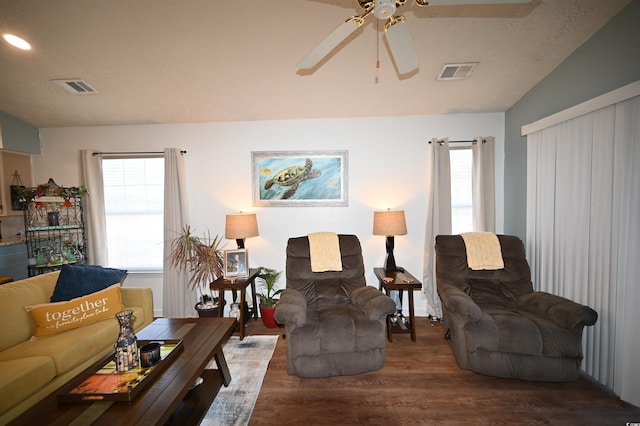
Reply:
x=324, y=250
x=483, y=250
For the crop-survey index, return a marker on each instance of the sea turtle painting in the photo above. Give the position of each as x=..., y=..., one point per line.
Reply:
x=292, y=176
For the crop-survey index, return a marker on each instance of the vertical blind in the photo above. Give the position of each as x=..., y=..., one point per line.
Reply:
x=583, y=233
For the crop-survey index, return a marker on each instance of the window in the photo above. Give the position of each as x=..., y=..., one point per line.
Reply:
x=134, y=203
x=461, y=190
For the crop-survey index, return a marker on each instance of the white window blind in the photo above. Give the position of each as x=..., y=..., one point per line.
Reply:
x=134, y=203
x=461, y=160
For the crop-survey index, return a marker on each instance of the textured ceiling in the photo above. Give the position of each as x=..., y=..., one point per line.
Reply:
x=162, y=61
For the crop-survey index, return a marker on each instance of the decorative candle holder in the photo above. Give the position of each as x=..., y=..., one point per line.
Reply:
x=127, y=356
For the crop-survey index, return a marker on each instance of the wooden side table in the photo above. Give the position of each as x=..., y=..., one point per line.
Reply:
x=399, y=281
x=239, y=284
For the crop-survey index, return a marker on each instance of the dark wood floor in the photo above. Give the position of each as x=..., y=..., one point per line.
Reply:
x=421, y=384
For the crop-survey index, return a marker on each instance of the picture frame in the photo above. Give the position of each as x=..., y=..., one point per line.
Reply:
x=236, y=263
x=18, y=201
x=300, y=178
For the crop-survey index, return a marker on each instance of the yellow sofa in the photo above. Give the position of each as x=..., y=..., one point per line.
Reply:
x=32, y=369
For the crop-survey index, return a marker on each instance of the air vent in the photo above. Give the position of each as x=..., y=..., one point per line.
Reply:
x=76, y=86
x=457, y=71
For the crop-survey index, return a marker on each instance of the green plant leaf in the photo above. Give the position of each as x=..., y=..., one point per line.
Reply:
x=200, y=257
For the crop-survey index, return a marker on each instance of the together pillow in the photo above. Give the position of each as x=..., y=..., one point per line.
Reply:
x=53, y=318
x=80, y=280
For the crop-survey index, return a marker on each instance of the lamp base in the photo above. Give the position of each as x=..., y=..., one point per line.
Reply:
x=390, y=261
x=393, y=268
x=240, y=243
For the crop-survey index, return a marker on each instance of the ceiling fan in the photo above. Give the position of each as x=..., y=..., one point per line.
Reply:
x=396, y=31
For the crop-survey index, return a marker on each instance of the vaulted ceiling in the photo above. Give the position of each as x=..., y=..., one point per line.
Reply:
x=163, y=61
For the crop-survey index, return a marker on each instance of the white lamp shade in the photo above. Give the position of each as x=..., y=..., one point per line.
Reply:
x=389, y=223
x=240, y=226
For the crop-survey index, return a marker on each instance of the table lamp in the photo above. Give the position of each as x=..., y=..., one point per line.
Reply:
x=390, y=223
x=241, y=226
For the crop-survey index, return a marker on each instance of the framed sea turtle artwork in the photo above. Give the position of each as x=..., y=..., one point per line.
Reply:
x=300, y=178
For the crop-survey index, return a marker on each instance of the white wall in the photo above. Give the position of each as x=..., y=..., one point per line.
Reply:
x=387, y=158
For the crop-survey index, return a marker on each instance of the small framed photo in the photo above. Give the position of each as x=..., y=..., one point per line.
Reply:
x=236, y=263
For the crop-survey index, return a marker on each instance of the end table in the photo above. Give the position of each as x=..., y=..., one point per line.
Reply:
x=239, y=284
x=400, y=281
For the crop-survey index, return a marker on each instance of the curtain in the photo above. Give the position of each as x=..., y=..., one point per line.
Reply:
x=96, y=225
x=178, y=300
x=583, y=233
x=483, y=183
x=438, y=217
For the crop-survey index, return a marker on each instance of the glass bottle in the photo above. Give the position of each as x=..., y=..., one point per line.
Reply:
x=55, y=255
x=127, y=356
x=68, y=252
x=41, y=259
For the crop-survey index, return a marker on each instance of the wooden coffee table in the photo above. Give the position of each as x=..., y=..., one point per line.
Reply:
x=168, y=399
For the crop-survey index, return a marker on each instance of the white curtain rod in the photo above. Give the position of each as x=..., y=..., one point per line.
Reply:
x=441, y=141
x=133, y=153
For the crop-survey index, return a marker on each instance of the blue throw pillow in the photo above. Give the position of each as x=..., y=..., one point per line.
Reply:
x=80, y=280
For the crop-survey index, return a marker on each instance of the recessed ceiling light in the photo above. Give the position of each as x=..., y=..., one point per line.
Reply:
x=16, y=41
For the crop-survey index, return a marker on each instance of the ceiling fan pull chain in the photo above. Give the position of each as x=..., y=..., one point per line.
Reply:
x=377, y=77
x=377, y=44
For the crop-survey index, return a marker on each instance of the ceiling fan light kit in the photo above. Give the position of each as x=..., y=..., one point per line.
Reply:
x=384, y=9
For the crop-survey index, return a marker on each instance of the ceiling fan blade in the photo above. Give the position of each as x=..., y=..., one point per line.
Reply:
x=462, y=2
x=401, y=44
x=330, y=42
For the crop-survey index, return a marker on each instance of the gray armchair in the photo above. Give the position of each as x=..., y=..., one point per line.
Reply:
x=334, y=322
x=497, y=325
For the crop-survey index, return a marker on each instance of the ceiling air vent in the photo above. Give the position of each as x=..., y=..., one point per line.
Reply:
x=76, y=86
x=457, y=71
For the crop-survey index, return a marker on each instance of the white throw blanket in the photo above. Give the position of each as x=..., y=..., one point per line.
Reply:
x=324, y=251
x=483, y=250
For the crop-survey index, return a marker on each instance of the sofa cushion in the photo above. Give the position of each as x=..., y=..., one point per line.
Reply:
x=13, y=298
x=80, y=280
x=20, y=378
x=53, y=318
x=517, y=334
x=337, y=330
x=71, y=348
x=330, y=293
x=491, y=293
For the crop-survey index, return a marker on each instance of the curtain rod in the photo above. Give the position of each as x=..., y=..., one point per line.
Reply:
x=440, y=141
x=133, y=153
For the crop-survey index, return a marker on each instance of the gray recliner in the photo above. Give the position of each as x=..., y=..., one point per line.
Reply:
x=335, y=323
x=497, y=325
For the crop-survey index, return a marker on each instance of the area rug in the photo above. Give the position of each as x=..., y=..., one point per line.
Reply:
x=248, y=361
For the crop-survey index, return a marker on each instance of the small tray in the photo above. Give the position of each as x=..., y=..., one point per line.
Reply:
x=105, y=384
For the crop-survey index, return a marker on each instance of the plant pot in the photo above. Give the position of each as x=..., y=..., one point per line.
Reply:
x=208, y=312
x=267, y=314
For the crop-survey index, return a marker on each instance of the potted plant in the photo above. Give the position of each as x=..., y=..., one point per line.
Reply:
x=201, y=258
x=267, y=301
